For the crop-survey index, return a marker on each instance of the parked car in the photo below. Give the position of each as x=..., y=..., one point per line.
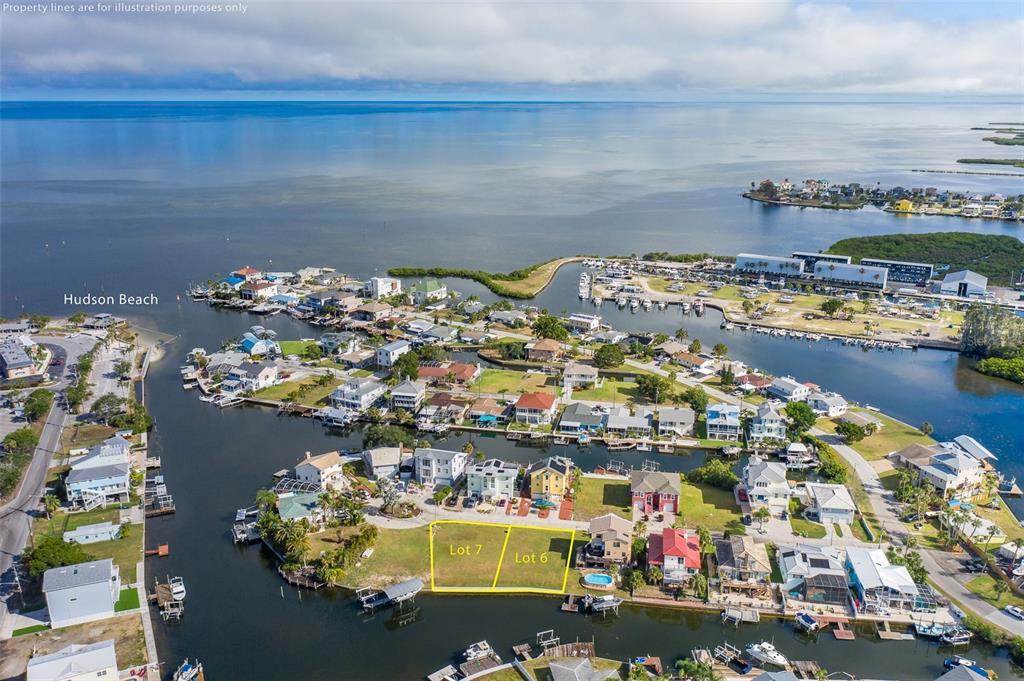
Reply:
x=1014, y=611
x=747, y=520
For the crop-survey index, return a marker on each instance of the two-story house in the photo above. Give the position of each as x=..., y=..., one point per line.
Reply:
x=764, y=484
x=357, y=394
x=676, y=553
x=611, y=541
x=388, y=354
x=741, y=559
x=655, y=491
x=723, y=422
x=767, y=424
x=535, y=408
x=549, y=478
x=788, y=389
x=325, y=470
x=439, y=467
x=492, y=479
x=408, y=395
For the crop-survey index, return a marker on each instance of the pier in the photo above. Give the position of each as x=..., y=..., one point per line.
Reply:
x=396, y=594
x=163, y=596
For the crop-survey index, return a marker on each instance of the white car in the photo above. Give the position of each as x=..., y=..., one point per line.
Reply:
x=1014, y=611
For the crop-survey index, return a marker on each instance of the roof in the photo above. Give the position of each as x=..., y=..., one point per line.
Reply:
x=656, y=482
x=74, y=576
x=689, y=358
x=395, y=346
x=409, y=388
x=675, y=543
x=383, y=456
x=626, y=422
x=776, y=676
x=323, y=461
x=755, y=380
x=773, y=472
x=298, y=505
x=579, y=669
x=463, y=372
x=676, y=415
x=967, y=276
x=486, y=406
x=494, y=468
x=543, y=401
x=580, y=369
x=831, y=399
x=787, y=384
x=742, y=552
x=559, y=464
x=874, y=571
x=115, y=470
x=768, y=411
x=962, y=674
x=973, y=447
x=373, y=307
x=407, y=588
x=246, y=271
x=582, y=414
x=426, y=286
x=835, y=497
x=612, y=526
x=721, y=413
x=431, y=453
x=73, y=661
x=544, y=345
x=13, y=354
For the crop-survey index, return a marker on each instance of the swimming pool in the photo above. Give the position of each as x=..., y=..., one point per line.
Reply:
x=598, y=579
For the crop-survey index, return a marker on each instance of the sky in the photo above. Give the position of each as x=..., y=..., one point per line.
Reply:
x=511, y=49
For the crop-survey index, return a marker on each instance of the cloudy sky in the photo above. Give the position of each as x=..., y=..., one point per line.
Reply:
x=521, y=49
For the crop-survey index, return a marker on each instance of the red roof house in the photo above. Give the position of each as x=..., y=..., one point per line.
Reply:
x=676, y=553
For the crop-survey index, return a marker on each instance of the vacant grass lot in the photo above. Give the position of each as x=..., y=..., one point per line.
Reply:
x=535, y=559
x=892, y=437
x=985, y=586
x=1003, y=518
x=710, y=507
x=126, y=552
x=466, y=556
x=806, y=528
x=294, y=347
x=498, y=381
x=314, y=395
x=598, y=497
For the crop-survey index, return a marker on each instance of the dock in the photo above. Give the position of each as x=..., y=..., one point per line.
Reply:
x=726, y=653
x=396, y=594
x=577, y=649
x=306, y=580
x=842, y=633
x=806, y=669
x=735, y=616
x=446, y=673
x=571, y=603
x=886, y=633
x=479, y=665
x=157, y=501
x=170, y=607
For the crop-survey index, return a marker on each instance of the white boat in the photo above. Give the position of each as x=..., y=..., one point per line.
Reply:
x=478, y=650
x=767, y=653
x=621, y=302
x=806, y=621
x=207, y=398
x=634, y=304
x=189, y=671
x=956, y=637
x=177, y=588
x=597, y=301
x=647, y=304
x=685, y=307
x=662, y=305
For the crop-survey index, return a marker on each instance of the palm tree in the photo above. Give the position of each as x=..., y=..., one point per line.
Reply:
x=266, y=499
x=762, y=515
x=699, y=584
x=51, y=504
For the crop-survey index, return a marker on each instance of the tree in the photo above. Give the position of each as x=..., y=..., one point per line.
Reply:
x=23, y=441
x=699, y=584
x=697, y=399
x=77, y=318
x=654, y=575
x=832, y=306
x=801, y=418
x=695, y=346
x=634, y=581
x=52, y=551
x=720, y=350
x=681, y=334
x=51, y=503
x=850, y=432
x=653, y=387
x=548, y=326
x=389, y=493
x=378, y=435
x=707, y=543
x=123, y=367
x=762, y=515
x=748, y=307
x=266, y=499
x=108, y=406
x=37, y=404
x=608, y=357
x=406, y=366
x=715, y=473
x=927, y=428
x=442, y=494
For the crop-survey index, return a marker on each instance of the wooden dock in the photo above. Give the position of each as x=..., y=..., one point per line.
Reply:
x=571, y=603
x=735, y=616
x=886, y=633
x=842, y=633
x=301, y=579
x=479, y=665
x=806, y=669
x=577, y=649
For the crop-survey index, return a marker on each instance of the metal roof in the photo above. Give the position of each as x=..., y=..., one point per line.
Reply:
x=82, y=574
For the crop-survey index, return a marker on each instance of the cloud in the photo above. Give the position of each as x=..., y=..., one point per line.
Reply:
x=667, y=47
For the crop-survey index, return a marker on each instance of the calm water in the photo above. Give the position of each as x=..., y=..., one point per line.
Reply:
x=139, y=198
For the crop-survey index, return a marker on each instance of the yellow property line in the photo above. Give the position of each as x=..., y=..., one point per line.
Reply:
x=494, y=588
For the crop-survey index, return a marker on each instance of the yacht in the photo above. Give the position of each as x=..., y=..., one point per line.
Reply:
x=621, y=302
x=662, y=305
x=177, y=588
x=597, y=301
x=634, y=304
x=767, y=653
x=647, y=304
x=806, y=621
x=478, y=650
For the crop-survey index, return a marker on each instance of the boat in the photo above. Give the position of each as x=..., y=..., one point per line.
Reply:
x=647, y=304
x=597, y=301
x=958, y=661
x=189, y=671
x=662, y=305
x=956, y=637
x=620, y=301
x=685, y=307
x=643, y=446
x=805, y=621
x=767, y=653
x=634, y=304
x=731, y=450
x=933, y=630
x=207, y=398
x=177, y=588
x=478, y=650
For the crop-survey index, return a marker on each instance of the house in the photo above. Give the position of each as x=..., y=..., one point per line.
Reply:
x=256, y=347
x=583, y=323
x=580, y=418
x=577, y=375
x=408, y=395
x=358, y=358
x=492, y=479
x=765, y=484
x=693, y=362
x=14, y=361
x=962, y=673
x=676, y=553
x=669, y=349
x=543, y=350
x=388, y=354
x=776, y=676
x=453, y=372
x=862, y=419
x=610, y=337
x=382, y=462
x=753, y=382
x=439, y=334
x=798, y=457
x=300, y=506
x=373, y=311
x=964, y=284
x=342, y=301
x=723, y=422
x=325, y=470
x=357, y=394
x=611, y=540
x=339, y=342
x=81, y=593
x=487, y=411
x=655, y=491
x=877, y=584
x=383, y=287
x=253, y=376
x=248, y=273
x=19, y=327
x=767, y=424
x=427, y=291
x=535, y=408
x=256, y=290
x=76, y=662
x=830, y=405
x=102, y=475
x=952, y=471
x=741, y=559
x=549, y=478
x=787, y=389
x=509, y=318
x=439, y=467
x=624, y=425
x=829, y=503
x=467, y=335
x=814, y=573
x=90, y=534
x=579, y=669
x=676, y=421
x=444, y=408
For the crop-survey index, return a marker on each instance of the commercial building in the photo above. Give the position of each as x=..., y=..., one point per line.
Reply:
x=964, y=284
x=769, y=264
x=853, y=274
x=811, y=259
x=903, y=272
x=14, y=361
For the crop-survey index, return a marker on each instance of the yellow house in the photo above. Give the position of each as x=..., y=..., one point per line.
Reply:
x=549, y=478
x=903, y=206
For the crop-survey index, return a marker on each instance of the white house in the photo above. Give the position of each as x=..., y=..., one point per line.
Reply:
x=827, y=404
x=254, y=375
x=439, y=467
x=829, y=503
x=535, y=408
x=723, y=422
x=408, y=395
x=492, y=479
x=676, y=421
x=964, y=284
x=388, y=354
x=765, y=484
x=878, y=584
x=383, y=287
x=788, y=389
x=102, y=475
x=76, y=662
x=81, y=593
x=579, y=375
x=585, y=323
x=948, y=468
x=325, y=470
x=427, y=291
x=382, y=462
x=357, y=394
x=95, y=532
x=767, y=424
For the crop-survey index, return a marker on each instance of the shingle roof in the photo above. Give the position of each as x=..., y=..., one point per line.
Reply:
x=82, y=574
x=655, y=482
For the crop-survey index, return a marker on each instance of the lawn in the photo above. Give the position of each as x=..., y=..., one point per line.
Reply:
x=85, y=435
x=535, y=559
x=314, y=395
x=30, y=630
x=610, y=390
x=398, y=555
x=985, y=586
x=711, y=507
x=597, y=497
x=1003, y=518
x=892, y=437
x=126, y=552
x=294, y=347
x=773, y=560
x=498, y=381
x=466, y=556
x=127, y=600
x=806, y=528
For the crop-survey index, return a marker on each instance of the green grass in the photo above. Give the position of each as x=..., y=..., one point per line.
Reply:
x=1003, y=518
x=535, y=559
x=838, y=529
x=892, y=437
x=498, y=381
x=806, y=528
x=540, y=668
x=858, y=530
x=597, y=497
x=773, y=560
x=30, y=630
x=985, y=586
x=315, y=394
x=126, y=552
x=711, y=507
x=292, y=347
x=467, y=556
x=127, y=600
x=398, y=555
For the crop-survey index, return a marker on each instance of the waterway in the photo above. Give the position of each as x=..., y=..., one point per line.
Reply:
x=145, y=198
